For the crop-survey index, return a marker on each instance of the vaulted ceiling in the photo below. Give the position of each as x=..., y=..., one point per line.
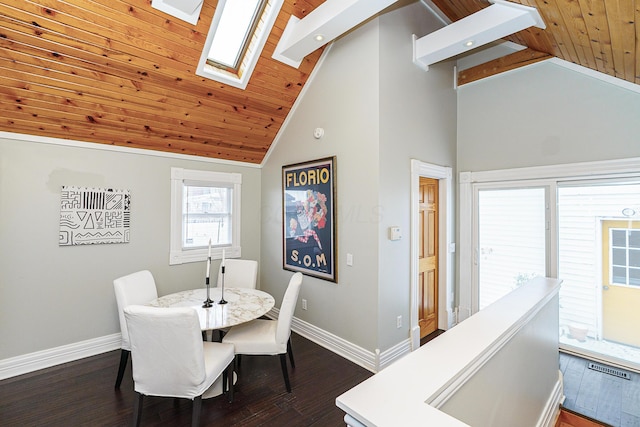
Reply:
x=598, y=34
x=120, y=72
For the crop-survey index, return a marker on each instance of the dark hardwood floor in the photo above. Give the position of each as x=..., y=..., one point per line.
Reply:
x=601, y=396
x=81, y=393
x=431, y=336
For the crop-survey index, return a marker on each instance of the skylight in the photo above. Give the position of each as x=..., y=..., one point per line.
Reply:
x=232, y=36
x=238, y=32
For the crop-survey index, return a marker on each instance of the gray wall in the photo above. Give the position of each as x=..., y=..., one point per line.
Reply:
x=343, y=99
x=378, y=111
x=365, y=96
x=545, y=114
x=51, y=295
x=417, y=121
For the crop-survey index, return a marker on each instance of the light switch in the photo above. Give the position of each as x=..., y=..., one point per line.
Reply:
x=350, y=259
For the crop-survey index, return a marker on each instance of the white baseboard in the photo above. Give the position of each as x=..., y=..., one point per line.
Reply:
x=451, y=319
x=389, y=356
x=24, y=364
x=372, y=361
x=463, y=313
x=552, y=408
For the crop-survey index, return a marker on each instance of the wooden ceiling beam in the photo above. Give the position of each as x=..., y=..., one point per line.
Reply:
x=500, y=65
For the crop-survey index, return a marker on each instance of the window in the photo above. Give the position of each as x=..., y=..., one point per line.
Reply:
x=625, y=256
x=237, y=26
x=593, y=245
x=238, y=32
x=204, y=206
x=512, y=239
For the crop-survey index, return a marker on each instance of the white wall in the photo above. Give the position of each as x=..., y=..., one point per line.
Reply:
x=545, y=114
x=378, y=111
x=50, y=295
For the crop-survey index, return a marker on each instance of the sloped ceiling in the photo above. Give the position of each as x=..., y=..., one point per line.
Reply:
x=123, y=73
x=598, y=34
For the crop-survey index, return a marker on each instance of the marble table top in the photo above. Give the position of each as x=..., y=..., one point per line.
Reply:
x=242, y=305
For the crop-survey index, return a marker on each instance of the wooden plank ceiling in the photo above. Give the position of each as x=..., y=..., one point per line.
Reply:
x=597, y=34
x=120, y=72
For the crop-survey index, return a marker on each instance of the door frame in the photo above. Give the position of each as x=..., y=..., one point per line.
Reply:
x=604, y=225
x=445, y=247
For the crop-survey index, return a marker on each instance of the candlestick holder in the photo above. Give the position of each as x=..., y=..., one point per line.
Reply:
x=207, y=303
x=222, y=301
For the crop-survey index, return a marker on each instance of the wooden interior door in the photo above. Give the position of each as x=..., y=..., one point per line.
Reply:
x=428, y=257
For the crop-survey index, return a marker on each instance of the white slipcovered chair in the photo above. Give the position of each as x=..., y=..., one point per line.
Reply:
x=135, y=288
x=169, y=358
x=239, y=273
x=269, y=337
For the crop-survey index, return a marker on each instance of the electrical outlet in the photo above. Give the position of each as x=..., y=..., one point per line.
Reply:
x=399, y=322
x=304, y=304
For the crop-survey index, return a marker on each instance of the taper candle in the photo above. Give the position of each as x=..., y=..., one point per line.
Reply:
x=209, y=259
x=223, y=257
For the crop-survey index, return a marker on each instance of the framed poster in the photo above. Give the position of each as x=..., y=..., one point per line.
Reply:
x=309, y=218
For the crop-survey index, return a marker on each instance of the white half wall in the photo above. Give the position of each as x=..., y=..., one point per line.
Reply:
x=499, y=367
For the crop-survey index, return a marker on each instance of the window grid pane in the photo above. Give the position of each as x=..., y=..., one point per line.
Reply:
x=634, y=239
x=634, y=258
x=625, y=257
x=619, y=275
x=618, y=238
x=634, y=276
x=619, y=256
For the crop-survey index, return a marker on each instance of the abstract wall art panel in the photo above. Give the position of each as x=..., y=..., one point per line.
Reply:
x=90, y=216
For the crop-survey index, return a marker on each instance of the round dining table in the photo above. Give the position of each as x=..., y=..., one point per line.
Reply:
x=243, y=305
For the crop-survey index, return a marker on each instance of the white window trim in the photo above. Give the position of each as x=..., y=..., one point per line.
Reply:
x=178, y=175
x=210, y=72
x=188, y=11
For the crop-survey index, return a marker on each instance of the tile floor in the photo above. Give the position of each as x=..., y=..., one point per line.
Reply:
x=601, y=396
